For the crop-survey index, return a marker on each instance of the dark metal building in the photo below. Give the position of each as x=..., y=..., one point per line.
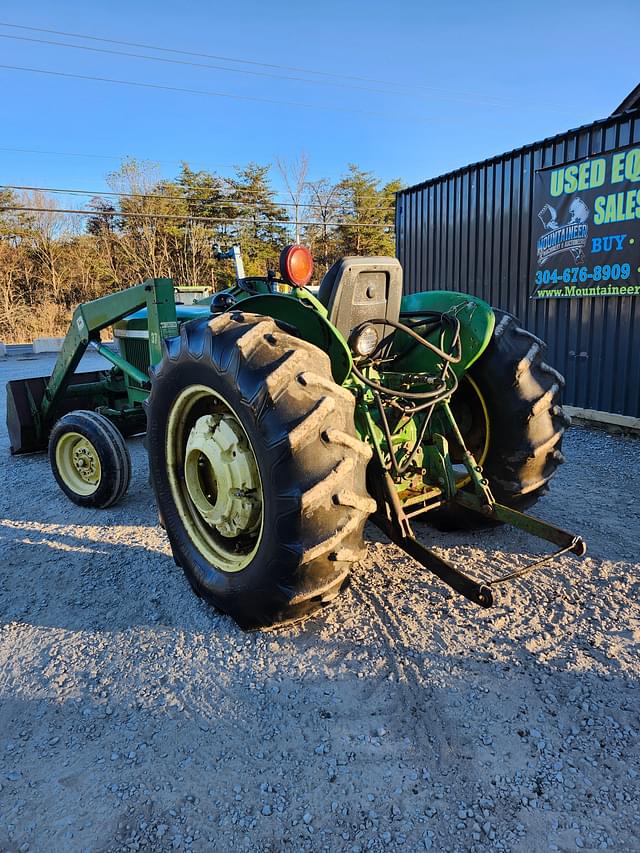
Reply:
x=471, y=230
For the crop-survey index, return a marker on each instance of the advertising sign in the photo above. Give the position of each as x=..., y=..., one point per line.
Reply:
x=586, y=231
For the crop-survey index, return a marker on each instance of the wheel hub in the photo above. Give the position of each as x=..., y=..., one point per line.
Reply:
x=84, y=461
x=78, y=463
x=221, y=476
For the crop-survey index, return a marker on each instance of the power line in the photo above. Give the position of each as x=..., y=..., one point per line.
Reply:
x=478, y=99
x=190, y=53
x=159, y=197
x=211, y=94
x=205, y=65
x=222, y=199
x=230, y=181
x=497, y=101
x=111, y=157
x=189, y=217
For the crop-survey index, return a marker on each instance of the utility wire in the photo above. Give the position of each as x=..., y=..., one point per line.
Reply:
x=240, y=61
x=189, y=53
x=211, y=94
x=173, y=216
x=204, y=65
x=232, y=182
x=114, y=157
x=478, y=99
x=184, y=198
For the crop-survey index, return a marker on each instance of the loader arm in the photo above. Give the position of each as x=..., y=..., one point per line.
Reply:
x=34, y=404
x=89, y=319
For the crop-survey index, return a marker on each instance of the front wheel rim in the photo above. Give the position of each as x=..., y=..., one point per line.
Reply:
x=214, y=478
x=78, y=463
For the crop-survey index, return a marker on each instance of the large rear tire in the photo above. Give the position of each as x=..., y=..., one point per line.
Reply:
x=520, y=400
x=270, y=534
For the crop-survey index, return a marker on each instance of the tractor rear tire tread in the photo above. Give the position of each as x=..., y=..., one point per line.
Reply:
x=524, y=399
x=526, y=416
x=282, y=390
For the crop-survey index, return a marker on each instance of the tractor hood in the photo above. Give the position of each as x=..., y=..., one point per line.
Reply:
x=138, y=321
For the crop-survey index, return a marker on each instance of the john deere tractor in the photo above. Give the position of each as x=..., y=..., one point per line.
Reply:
x=278, y=422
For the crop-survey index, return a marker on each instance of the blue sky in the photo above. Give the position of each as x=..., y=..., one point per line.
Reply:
x=459, y=81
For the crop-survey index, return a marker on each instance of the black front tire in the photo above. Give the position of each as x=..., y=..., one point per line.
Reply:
x=91, y=438
x=300, y=427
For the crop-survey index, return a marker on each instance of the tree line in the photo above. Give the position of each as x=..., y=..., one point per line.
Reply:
x=147, y=226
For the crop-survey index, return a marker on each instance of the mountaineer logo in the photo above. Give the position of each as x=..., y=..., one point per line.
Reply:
x=570, y=237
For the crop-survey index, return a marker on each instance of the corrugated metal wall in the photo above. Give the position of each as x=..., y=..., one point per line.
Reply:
x=471, y=231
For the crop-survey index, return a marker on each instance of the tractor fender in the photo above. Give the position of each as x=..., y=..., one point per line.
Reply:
x=309, y=324
x=477, y=322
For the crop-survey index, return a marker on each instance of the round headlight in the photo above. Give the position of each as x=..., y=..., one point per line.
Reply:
x=364, y=340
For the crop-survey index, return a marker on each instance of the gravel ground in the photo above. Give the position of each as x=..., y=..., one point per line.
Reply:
x=133, y=717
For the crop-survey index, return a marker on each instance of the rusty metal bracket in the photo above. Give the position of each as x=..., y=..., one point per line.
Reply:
x=397, y=527
x=477, y=592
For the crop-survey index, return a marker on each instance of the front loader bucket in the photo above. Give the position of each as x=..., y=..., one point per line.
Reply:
x=23, y=402
x=27, y=433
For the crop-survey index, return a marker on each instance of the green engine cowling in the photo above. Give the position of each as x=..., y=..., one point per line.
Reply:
x=132, y=335
x=304, y=312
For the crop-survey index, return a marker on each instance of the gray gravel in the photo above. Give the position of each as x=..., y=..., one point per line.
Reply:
x=133, y=717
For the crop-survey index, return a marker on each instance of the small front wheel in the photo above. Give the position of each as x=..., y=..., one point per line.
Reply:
x=89, y=459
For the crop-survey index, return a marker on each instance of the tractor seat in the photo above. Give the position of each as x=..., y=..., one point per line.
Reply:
x=357, y=289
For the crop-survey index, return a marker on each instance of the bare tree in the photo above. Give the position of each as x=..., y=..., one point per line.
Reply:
x=294, y=176
x=46, y=233
x=10, y=268
x=324, y=208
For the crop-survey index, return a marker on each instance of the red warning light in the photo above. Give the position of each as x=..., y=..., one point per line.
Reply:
x=296, y=265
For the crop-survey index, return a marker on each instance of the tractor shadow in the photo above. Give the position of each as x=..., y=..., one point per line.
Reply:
x=354, y=709
x=65, y=566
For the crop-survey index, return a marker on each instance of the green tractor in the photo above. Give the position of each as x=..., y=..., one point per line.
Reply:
x=278, y=421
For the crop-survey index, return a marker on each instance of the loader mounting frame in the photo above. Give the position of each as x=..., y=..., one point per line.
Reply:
x=33, y=405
